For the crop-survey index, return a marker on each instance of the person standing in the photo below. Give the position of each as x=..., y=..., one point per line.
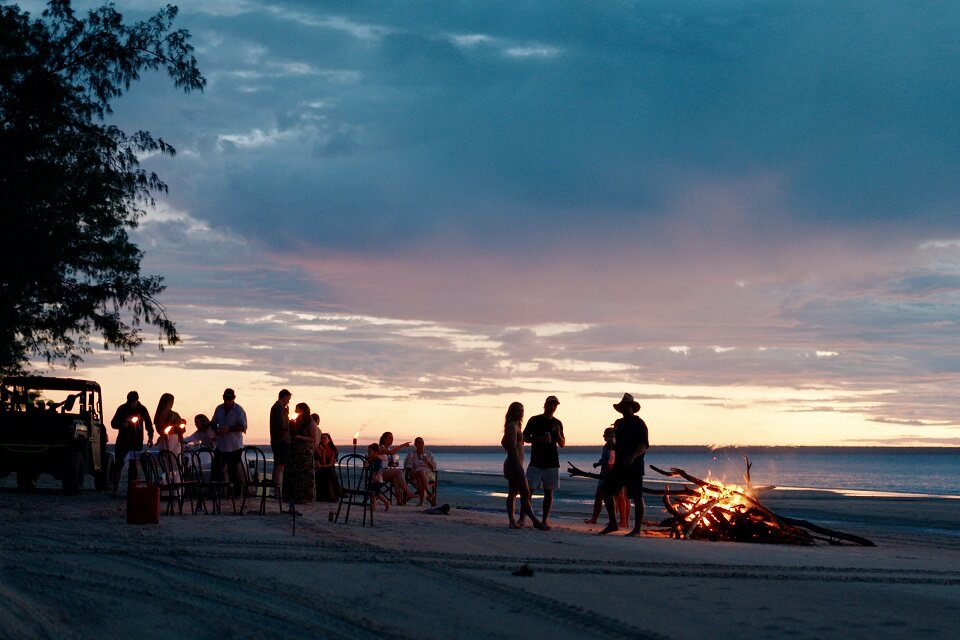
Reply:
x=545, y=433
x=632, y=441
x=280, y=438
x=512, y=443
x=130, y=420
x=305, y=439
x=229, y=423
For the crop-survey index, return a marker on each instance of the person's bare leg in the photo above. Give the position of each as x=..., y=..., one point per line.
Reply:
x=608, y=500
x=623, y=505
x=422, y=485
x=511, y=507
x=547, y=504
x=526, y=509
x=597, y=505
x=637, y=516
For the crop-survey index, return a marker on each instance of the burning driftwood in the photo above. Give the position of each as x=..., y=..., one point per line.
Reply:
x=713, y=510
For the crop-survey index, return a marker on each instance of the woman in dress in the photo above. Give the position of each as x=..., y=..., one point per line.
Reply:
x=305, y=439
x=512, y=443
x=169, y=425
x=328, y=485
x=170, y=428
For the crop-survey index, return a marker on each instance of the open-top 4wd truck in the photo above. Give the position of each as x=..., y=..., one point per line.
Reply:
x=55, y=426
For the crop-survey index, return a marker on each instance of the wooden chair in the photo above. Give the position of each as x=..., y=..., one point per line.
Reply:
x=354, y=475
x=254, y=463
x=174, y=481
x=203, y=472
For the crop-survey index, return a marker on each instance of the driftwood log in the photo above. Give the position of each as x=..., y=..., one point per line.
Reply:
x=712, y=510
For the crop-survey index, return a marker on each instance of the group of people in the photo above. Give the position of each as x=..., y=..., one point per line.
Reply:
x=621, y=464
x=304, y=456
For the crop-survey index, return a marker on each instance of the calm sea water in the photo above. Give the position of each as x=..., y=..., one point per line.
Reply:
x=928, y=471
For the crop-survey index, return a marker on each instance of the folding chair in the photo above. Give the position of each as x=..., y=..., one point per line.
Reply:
x=354, y=486
x=433, y=483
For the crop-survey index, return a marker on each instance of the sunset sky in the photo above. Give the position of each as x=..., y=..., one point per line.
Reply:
x=744, y=213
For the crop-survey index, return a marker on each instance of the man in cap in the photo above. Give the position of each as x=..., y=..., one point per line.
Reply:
x=230, y=423
x=632, y=441
x=130, y=420
x=545, y=433
x=280, y=437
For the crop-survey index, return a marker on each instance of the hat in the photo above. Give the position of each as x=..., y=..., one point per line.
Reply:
x=627, y=399
x=551, y=400
x=133, y=395
x=228, y=394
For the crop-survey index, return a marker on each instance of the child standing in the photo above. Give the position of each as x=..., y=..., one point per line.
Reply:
x=607, y=458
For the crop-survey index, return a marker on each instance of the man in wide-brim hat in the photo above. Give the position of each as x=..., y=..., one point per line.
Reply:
x=632, y=441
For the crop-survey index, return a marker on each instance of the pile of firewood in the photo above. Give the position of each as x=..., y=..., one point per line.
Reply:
x=712, y=510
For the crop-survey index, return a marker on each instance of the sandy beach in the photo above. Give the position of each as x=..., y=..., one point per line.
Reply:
x=70, y=567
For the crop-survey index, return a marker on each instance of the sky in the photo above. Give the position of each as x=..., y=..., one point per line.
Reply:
x=412, y=214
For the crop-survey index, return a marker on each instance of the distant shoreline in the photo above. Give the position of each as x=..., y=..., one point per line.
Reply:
x=697, y=449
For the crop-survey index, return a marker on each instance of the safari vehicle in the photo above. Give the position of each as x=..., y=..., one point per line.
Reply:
x=54, y=426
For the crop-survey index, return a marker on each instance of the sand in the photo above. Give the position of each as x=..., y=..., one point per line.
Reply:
x=70, y=567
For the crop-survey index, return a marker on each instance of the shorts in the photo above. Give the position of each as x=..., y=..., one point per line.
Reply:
x=630, y=477
x=539, y=477
x=281, y=452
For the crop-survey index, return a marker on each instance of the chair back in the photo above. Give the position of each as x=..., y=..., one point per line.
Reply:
x=149, y=468
x=171, y=466
x=254, y=462
x=202, y=463
x=352, y=469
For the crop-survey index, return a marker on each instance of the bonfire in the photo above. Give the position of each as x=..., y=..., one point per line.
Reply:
x=713, y=510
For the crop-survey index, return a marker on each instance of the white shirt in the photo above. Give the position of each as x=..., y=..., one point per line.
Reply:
x=415, y=463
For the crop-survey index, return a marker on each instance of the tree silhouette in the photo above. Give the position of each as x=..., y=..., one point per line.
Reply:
x=71, y=186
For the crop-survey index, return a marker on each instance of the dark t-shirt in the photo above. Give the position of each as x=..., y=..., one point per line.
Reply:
x=279, y=424
x=543, y=454
x=128, y=435
x=630, y=432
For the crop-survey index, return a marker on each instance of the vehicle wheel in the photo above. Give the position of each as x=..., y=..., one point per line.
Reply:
x=73, y=474
x=26, y=481
x=101, y=481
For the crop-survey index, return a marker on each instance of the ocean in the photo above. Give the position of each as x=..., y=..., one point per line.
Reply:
x=880, y=471
x=869, y=471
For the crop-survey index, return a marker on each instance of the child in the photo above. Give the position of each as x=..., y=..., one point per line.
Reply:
x=606, y=463
x=376, y=476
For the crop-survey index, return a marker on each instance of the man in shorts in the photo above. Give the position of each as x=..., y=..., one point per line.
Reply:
x=632, y=441
x=280, y=437
x=544, y=433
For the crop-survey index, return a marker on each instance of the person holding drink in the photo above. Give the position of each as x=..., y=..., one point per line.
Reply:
x=421, y=468
x=544, y=433
x=229, y=425
x=130, y=420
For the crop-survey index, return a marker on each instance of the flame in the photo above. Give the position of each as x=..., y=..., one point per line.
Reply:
x=134, y=419
x=167, y=431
